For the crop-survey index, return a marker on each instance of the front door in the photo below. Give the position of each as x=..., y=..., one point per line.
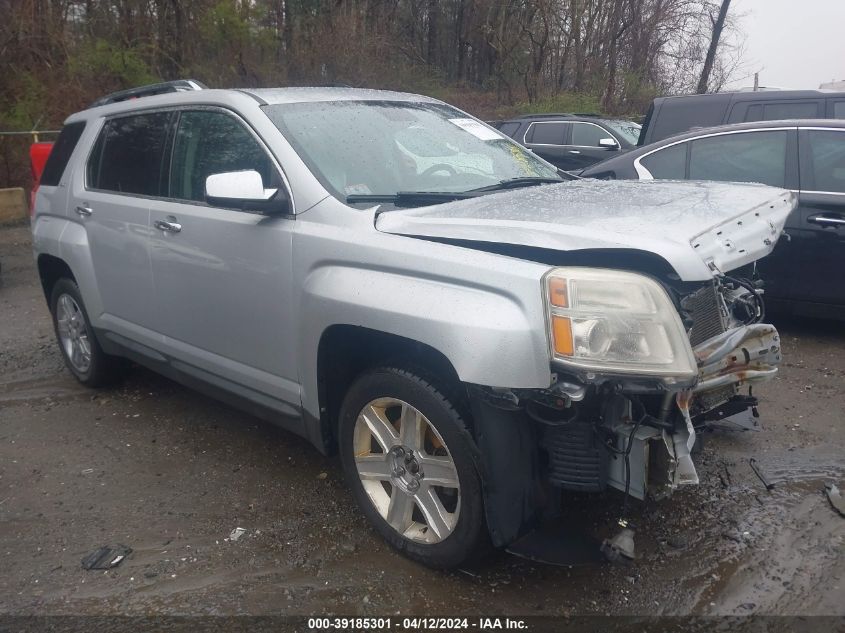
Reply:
x=584, y=147
x=821, y=235
x=223, y=276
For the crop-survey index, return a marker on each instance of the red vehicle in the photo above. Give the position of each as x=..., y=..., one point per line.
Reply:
x=38, y=154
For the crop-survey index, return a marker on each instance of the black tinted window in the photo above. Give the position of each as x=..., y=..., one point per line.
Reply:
x=548, y=133
x=209, y=143
x=746, y=157
x=60, y=154
x=679, y=114
x=827, y=168
x=777, y=111
x=588, y=135
x=509, y=128
x=669, y=163
x=128, y=155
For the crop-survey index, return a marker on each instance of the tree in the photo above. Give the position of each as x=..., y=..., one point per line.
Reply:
x=718, y=25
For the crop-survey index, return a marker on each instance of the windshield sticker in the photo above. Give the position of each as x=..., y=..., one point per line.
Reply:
x=476, y=129
x=357, y=190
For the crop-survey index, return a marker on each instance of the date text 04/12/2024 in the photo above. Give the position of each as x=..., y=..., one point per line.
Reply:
x=417, y=624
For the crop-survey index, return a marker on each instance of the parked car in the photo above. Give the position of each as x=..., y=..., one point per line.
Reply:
x=805, y=156
x=471, y=336
x=38, y=154
x=571, y=141
x=668, y=116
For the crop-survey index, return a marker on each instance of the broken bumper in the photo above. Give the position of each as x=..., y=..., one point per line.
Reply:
x=660, y=459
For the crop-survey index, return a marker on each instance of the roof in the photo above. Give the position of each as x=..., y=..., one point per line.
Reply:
x=574, y=116
x=753, y=125
x=766, y=95
x=232, y=97
x=315, y=94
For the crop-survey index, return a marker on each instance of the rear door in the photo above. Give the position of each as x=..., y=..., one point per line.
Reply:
x=821, y=233
x=548, y=140
x=112, y=201
x=223, y=279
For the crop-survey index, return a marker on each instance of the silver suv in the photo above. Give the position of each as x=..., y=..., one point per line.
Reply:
x=398, y=282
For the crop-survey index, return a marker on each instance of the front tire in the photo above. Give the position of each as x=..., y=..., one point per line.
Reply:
x=407, y=457
x=82, y=353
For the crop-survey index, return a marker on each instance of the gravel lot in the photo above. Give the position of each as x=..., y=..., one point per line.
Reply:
x=170, y=473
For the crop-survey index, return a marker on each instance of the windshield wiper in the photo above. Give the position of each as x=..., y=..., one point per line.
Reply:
x=409, y=198
x=515, y=183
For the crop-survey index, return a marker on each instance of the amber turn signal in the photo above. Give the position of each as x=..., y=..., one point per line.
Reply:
x=562, y=334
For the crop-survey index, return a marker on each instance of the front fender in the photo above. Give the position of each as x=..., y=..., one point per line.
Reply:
x=492, y=335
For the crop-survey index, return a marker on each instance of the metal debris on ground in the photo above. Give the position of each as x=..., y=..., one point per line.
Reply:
x=753, y=463
x=835, y=498
x=237, y=533
x=106, y=557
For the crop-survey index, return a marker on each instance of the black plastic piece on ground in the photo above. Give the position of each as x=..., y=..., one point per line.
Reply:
x=106, y=557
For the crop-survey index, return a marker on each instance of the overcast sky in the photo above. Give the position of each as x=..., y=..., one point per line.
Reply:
x=792, y=43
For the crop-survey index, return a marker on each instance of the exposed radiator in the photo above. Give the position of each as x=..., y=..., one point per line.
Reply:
x=705, y=311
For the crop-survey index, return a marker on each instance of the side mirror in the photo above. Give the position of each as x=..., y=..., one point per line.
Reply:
x=244, y=190
x=609, y=143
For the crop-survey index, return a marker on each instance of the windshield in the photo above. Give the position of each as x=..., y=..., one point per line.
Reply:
x=628, y=130
x=361, y=148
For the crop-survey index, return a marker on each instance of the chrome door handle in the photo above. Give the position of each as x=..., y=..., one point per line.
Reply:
x=574, y=151
x=170, y=227
x=823, y=220
x=83, y=212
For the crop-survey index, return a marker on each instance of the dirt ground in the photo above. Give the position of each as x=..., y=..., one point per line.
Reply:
x=170, y=473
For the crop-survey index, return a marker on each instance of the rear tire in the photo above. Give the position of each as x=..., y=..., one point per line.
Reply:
x=82, y=353
x=407, y=456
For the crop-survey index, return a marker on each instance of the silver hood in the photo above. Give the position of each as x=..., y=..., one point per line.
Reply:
x=699, y=228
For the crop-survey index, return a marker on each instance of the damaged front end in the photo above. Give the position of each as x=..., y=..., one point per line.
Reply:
x=631, y=431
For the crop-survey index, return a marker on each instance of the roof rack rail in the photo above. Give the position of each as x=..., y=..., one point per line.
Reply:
x=560, y=115
x=180, y=85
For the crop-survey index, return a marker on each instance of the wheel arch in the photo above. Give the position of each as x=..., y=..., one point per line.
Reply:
x=50, y=270
x=346, y=351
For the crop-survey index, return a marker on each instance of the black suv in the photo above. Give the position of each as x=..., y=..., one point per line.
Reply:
x=571, y=141
x=804, y=274
x=668, y=116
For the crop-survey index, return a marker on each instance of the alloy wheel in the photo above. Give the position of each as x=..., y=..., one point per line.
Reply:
x=406, y=470
x=73, y=333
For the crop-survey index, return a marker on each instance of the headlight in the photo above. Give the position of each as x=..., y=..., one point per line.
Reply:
x=616, y=322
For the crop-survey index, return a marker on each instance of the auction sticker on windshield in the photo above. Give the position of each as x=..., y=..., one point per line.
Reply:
x=476, y=129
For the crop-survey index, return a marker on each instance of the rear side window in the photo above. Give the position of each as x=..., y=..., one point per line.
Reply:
x=679, y=114
x=127, y=157
x=207, y=143
x=797, y=110
x=669, y=163
x=548, y=133
x=508, y=128
x=746, y=157
x=826, y=171
x=60, y=154
x=839, y=109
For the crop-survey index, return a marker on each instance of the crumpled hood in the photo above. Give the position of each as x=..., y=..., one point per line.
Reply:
x=699, y=228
